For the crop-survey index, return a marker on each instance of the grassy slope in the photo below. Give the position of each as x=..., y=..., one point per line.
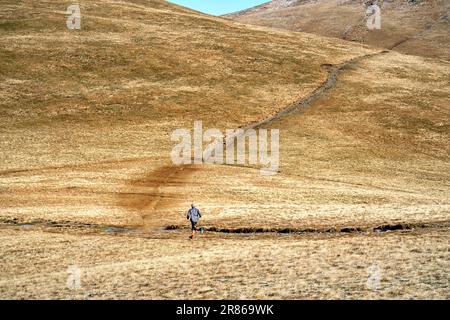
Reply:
x=116, y=89
x=86, y=120
x=374, y=149
x=95, y=141
x=422, y=23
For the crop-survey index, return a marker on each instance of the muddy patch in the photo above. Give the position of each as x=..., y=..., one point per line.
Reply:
x=333, y=230
x=149, y=194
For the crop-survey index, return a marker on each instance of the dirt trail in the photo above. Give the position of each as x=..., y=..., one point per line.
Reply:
x=157, y=200
x=153, y=199
x=305, y=102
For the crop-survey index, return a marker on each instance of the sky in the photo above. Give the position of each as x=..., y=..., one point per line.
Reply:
x=218, y=7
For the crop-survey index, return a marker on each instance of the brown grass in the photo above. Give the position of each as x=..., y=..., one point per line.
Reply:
x=86, y=119
x=226, y=268
x=420, y=28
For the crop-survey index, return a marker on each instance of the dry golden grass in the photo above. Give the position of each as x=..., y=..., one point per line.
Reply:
x=34, y=265
x=85, y=124
x=419, y=28
x=79, y=104
x=374, y=149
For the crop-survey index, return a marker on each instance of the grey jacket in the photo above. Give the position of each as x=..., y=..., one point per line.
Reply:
x=194, y=214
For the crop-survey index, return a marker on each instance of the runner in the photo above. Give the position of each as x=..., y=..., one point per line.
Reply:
x=194, y=216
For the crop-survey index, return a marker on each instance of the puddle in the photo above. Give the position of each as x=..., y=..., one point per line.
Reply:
x=117, y=230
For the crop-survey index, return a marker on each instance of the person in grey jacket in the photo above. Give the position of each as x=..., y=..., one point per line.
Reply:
x=194, y=216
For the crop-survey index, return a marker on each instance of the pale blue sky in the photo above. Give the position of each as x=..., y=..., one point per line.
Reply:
x=218, y=7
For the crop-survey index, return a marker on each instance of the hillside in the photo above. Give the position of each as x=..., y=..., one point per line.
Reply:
x=86, y=177
x=108, y=96
x=418, y=27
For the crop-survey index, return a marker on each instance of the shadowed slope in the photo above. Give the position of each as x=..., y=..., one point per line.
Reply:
x=417, y=27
